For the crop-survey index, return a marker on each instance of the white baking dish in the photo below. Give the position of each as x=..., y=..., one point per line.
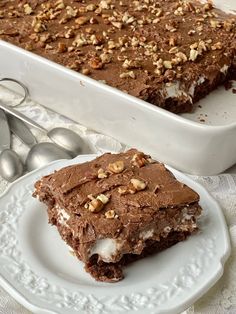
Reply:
x=190, y=146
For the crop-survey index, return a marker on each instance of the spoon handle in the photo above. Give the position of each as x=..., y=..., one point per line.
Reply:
x=21, y=116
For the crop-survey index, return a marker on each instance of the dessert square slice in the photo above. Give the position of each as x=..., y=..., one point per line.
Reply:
x=118, y=208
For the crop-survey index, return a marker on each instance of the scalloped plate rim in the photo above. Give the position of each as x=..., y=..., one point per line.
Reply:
x=16, y=294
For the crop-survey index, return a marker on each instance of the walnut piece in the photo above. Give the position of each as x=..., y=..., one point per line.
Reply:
x=116, y=167
x=102, y=174
x=103, y=198
x=61, y=47
x=193, y=55
x=128, y=74
x=27, y=9
x=139, y=160
x=97, y=204
x=110, y=214
x=96, y=63
x=138, y=184
x=82, y=20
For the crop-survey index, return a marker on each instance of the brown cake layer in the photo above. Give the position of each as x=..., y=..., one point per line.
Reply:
x=117, y=208
x=169, y=53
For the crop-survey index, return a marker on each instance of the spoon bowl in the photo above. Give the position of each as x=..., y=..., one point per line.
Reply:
x=67, y=139
x=11, y=167
x=43, y=153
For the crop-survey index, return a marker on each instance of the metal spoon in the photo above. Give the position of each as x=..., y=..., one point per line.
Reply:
x=11, y=167
x=67, y=139
x=40, y=154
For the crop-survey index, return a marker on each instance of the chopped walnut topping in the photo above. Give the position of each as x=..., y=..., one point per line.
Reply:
x=139, y=185
x=139, y=160
x=97, y=204
x=96, y=63
x=191, y=32
x=179, y=11
x=105, y=4
x=215, y=24
x=155, y=21
x=130, y=189
x=193, y=55
x=95, y=40
x=62, y=47
x=105, y=57
x=131, y=64
x=116, y=167
x=128, y=74
x=59, y=5
x=228, y=25
x=45, y=38
x=167, y=64
x=91, y=7
x=182, y=56
x=217, y=46
x=103, y=198
x=117, y=24
x=102, y=174
x=82, y=20
x=93, y=20
x=79, y=41
x=27, y=9
x=201, y=47
x=71, y=12
x=85, y=71
x=69, y=34
x=38, y=26
x=170, y=28
x=159, y=12
x=208, y=6
x=110, y=214
x=173, y=50
x=111, y=44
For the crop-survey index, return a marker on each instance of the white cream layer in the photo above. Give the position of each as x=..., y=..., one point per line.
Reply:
x=173, y=90
x=63, y=216
x=105, y=248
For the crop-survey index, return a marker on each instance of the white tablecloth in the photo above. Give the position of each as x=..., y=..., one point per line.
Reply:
x=221, y=299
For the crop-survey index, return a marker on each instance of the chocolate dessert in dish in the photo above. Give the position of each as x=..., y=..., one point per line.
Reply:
x=118, y=208
x=169, y=53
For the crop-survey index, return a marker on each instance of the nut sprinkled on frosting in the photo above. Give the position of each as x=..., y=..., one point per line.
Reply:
x=96, y=204
x=27, y=8
x=110, y=214
x=116, y=167
x=139, y=160
x=138, y=184
x=134, y=186
x=103, y=198
x=102, y=174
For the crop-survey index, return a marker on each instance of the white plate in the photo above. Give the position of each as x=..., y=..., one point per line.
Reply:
x=37, y=269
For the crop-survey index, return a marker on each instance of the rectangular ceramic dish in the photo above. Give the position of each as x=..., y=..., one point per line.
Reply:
x=200, y=143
